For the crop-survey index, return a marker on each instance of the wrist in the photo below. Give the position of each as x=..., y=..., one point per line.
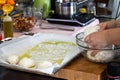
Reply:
x=112, y=23
x=108, y=37
x=116, y=23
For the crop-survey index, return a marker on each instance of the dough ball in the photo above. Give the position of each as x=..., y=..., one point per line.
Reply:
x=101, y=56
x=104, y=56
x=89, y=55
x=44, y=64
x=13, y=59
x=27, y=62
x=90, y=30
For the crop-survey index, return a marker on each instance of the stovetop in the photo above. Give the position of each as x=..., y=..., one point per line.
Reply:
x=8, y=74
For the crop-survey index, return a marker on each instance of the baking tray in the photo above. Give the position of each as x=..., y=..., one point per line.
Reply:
x=19, y=45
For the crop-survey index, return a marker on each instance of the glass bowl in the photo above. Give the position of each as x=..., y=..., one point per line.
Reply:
x=101, y=55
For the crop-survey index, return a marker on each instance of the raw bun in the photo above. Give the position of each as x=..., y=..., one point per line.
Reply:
x=13, y=59
x=43, y=64
x=90, y=30
x=27, y=62
x=101, y=56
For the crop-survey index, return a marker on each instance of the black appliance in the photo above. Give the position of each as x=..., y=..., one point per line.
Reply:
x=73, y=18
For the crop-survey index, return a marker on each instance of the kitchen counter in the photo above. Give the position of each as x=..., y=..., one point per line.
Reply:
x=72, y=30
x=79, y=68
x=82, y=69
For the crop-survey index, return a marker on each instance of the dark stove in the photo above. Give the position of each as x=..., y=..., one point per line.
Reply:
x=9, y=74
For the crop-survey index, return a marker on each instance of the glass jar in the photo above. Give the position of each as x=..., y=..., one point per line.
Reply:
x=91, y=8
x=113, y=70
x=37, y=15
x=46, y=4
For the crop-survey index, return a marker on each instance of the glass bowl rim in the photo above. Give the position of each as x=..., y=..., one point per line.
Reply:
x=89, y=48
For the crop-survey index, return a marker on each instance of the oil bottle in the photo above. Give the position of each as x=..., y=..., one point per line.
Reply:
x=7, y=26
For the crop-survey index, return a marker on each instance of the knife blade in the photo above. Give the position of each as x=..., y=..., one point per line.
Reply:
x=60, y=27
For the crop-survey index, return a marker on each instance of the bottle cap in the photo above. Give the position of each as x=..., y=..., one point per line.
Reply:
x=113, y=68
x=7, y=18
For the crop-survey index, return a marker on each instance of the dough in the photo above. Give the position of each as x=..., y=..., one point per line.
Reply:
x=101, y=56
x=90, y=30
x=13, y=59
x=104, y=56
x=27, y=62
x=43, y=64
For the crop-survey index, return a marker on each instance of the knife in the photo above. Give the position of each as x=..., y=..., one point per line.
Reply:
x=60, y=27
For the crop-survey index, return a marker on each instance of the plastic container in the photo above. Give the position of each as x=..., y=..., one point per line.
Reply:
x=7, y=26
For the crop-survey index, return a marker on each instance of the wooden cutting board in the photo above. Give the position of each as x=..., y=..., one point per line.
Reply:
x=82, y=69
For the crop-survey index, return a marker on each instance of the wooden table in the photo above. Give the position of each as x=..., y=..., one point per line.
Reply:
x=79, y=68
x=82, y=69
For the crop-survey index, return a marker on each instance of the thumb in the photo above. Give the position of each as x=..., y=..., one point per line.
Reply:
x=102, y=27
x=87, y=38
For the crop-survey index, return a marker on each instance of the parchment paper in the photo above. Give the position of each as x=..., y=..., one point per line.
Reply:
x=19, y=45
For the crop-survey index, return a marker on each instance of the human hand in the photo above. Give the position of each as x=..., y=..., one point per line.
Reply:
x=106, y=25
x=97, y=39
x=103, y=26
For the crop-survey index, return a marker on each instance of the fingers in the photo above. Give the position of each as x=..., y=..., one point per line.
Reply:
x=94, y=52
x=91, y=43
x=87, y=38
x=102, y=26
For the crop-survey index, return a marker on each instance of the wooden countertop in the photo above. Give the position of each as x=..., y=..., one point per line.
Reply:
x=82, y=69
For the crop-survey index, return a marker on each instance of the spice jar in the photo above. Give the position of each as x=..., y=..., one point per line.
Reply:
x=113, y=70
x=7, y=26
